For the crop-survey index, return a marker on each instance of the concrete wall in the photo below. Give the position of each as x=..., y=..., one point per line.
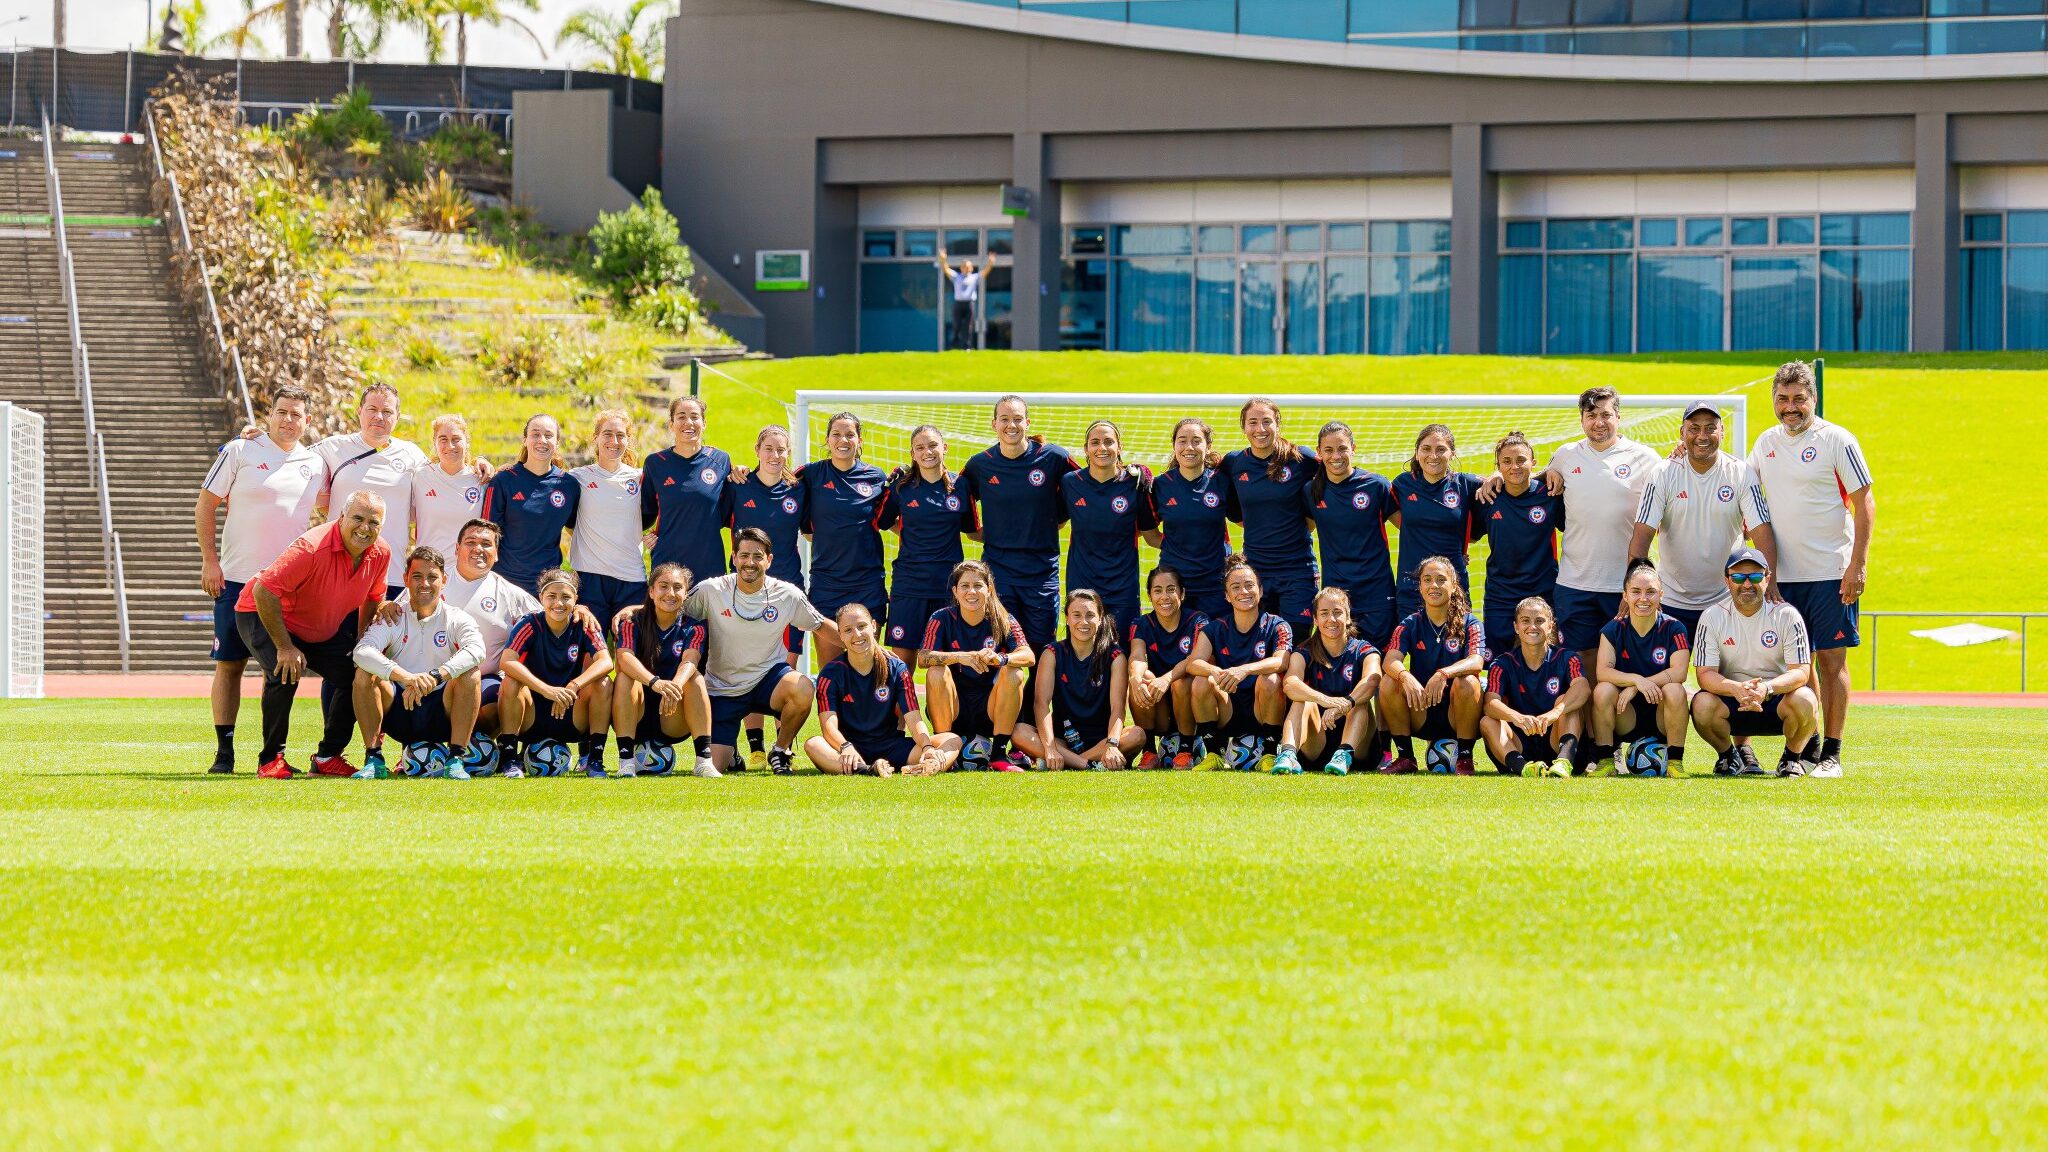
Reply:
x=777, y=111
x=562, y=158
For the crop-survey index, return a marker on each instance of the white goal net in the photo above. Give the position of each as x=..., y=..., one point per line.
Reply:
x=21, y=574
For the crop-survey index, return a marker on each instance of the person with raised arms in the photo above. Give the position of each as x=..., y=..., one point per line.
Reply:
x=1265, y=479
x=1521, y=525
x=1108, y=507
x=557, y=692
x=933, y=514
x=685, y=494
x=1640, y=680
x=1238, y=661
x=1331, y=683
x=372, y=460
x=868, y=722
x=269, y=486
x=769, y=497
x=1438, y=515
x=1160, y=683
x=746, y=668
x=660, y=653
x=604, y=548
x=417, y=678
x=1755, y=668
x=446, y=491
x=1432, y=686
x=1536, y=695
x=534, y=501
x=976, y=658
x=1351, y=508
x=1080, y=713
x=847, y=503
x=1016, y=481
x=1193, y=537
x=1700, y=505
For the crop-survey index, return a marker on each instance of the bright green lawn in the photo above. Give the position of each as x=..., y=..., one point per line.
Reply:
x=1130, y=961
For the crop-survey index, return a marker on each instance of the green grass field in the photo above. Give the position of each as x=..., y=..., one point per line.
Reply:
x=1121, y=962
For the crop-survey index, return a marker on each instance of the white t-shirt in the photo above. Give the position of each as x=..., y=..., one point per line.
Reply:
x=495, y=603
x=446, y=640
x=442, y=504
x=966, y=285
x=744, y=631
x=1807, y=479
x=353, y=466
x=1700, y=518
x=606, y=539
x=1751, y=647
x=270, y=496
x=1601, y=493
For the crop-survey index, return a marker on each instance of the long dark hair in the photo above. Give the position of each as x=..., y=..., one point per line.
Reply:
x=1461, y=601
x=1285, y=452
x=1415, y=464
x=1318, y=653
x=998, y=616
x=880, y=674
x=1321, y=480
x=645, y=638
x=1210, y=457
x=1105, y=650
x=904, y=473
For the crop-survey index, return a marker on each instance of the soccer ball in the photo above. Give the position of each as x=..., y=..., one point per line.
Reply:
x=657, y=757
x=481, y=757
x=1646, y=757
x=419, y=759
x=1441, y=757
x=547, y=758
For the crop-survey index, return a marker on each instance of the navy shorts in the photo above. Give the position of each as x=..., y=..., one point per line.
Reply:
x=397, y=591
x=1372, y=615
x=1436, y=723
x=908, y=616
x=1829, y=622
x=1036, y=608
x=1091, y=734
x=1532, y=745
x=605, y=595
x=1764, y=723
x=650, y=719
x=1642, y=717
x=828, y=601
x=728, y=711
x=227, y=639
x=426, y=724
x=793, y=640
x=897, y=749
x=1203, y=595
x=1291, y=596
x=488, y=687
x=1581, y=615
x=973, y=719
x=1690, y=617
x=1124, y=614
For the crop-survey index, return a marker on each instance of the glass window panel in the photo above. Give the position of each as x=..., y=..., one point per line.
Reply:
x=1525, y=234
x=1866, y=298
x=1218, y=238
x=1983, y=300
x=1878, y=9
x=1587, y=304
x=1150, y=240
x=1486, y=13
x=999, y=241
x=1409, y=41
x=2026, y=298
x=1866, y=228
x=1749, y=231
x=2014, y=7
x=1304, y=237
x=1776, y=9
x=1347, y=238
x=1600, y=12
x=1094, y=9
x=1521, y=306
x=1983, y=227
x=1429, y=236
x=1411, y=305
x=1764, y=41
x=899, y=308
x=963, y=241
x=1216, y=305
x=2026, y=227
x=996, y=308
x=878, y=245
x=1155, y=305
x=1837, y=9
x=1204, y=15
x=1304, y=331
x=1773, y=305
x=1258, y=307
x=1084, y=299
x=1543, y=13
x=1344, y=304
x=1703, y=10
x=1403, y=15
x=1569, y=235
x=1089, y=241
x=1556, y=42
x=1659, y=232
x=1795, y=230
x=1657, y=11
x=1702, y=231
x=1985, y=7
x=1643, y=42
x=921, y=242
x=1258, y=238
x=1904, y=38
x=1955, y=7
x=1973, y=36
x=1299, y=19
x=1678, y=305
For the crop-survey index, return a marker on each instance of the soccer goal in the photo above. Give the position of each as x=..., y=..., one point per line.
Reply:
x=21, y=571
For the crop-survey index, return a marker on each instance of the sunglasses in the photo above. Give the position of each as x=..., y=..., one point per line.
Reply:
x=1748, y=577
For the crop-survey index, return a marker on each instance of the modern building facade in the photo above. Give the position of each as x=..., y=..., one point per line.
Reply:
x=1373, y=176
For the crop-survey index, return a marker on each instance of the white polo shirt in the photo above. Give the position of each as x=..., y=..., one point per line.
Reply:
x=1601, y=493
x=495, y=603
x=353, y=466
x=446, y=640
x=1700, y=518
x=606, y=539
x=1751, y=647
x=744, y=631
x=442, y=504
x=1807, y=479
x=270, y=495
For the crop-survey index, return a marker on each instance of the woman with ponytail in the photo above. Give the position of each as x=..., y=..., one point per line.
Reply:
x=1331, y=682
x=1237, y=663
x=1017, y=483
x=532, y=502
x=1535, y=696
x=1080, y=712
x=933, y=514
x=1109, y=506
x=976, y=658
x=1351, y=508
x=605, y=547
x=1266, y=479
x=846, y=504
x=661, y=697
x=1431, y=687
x=1194, y=527
x=1438, y=516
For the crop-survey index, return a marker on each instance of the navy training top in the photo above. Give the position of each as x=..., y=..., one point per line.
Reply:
x=532, y=510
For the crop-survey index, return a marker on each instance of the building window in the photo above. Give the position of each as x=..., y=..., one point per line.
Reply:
x=904, y=304
x=1834, y=281
x=2005, y=280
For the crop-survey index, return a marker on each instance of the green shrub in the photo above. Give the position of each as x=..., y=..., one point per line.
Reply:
x=439, y=205
x=423, y=353
x=517, y=357
x=669, y=307
x=401, y=164
x=639, y=249
x=351, y=119
x=464, y=144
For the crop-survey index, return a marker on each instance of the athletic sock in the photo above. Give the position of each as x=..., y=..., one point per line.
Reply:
x=1602, y=752
x=998, y=747
x=756, y=741
x=1674, y=757
x=1404, y=748
x=1812, y=751
x=1516, y=761
x=1829, y=746
x=1568, y=748
x=1346, y=748
x=1464, y=749
x=703, y=746
x=593, y=746
x=627, y=745
x=224, y=740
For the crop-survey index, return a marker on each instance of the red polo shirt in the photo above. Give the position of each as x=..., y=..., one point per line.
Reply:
x=318, y=584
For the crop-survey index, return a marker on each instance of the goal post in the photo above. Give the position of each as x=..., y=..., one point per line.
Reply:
x=22, y=514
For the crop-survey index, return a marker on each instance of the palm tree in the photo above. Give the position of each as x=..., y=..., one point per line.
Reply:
x=355, y=28
x=484, y=13
x=619, y=42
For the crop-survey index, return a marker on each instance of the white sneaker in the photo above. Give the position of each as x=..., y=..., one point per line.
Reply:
x=1829, y=768
x=705, y=769
x=514, y=772
x=629, y=765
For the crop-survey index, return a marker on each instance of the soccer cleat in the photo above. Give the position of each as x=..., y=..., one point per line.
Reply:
x=1097, y=766
x=1829, y=768
x=374, y=767
x=333, y=766
x=781, y=762
x=1148, y=760
x=1399, y=766
x=1287, y=763
x=1013, y=761
x=1183, y=760
x=276, y=769
x=453, y=767
x=1532, y=768
x=1726, y=763
x=756, y=760
x=1790, y=766
x=593, y=767
x=223, y=764
x=1602, y=767
x=1560, y=768
x=629, y=765
x=1464, y=767
x=513, y=771
x=1339, y=763
x=1746, y=763
x=974, y=757
x=705, y=769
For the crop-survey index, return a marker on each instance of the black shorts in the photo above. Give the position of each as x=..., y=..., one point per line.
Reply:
x=1436, y=723
x=545, y=725
x=1644, y=719
x=1581, y=615
x=728, y=711
x=649, y=727
x=1764, y=723
x=875, y=598
x=908, y=616
x=605, y=595
x=973, y=719
x=1690, y=617
x=426, y=724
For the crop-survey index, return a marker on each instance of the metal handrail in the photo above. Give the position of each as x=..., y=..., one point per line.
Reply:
x=230, y=355
x=81, y=375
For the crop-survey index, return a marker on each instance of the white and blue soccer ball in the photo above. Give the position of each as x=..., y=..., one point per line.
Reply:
x=1647, y=757
x=548, y=758
x=419, y=759
x=1441, y=757
x=657, y=757
x=481, y=757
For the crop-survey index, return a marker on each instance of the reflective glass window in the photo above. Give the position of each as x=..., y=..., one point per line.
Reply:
x=1634, y=42
x=1347, y=238
x=1304, y=321
x=1968, y=37
x=1776, y=9
x=1773, y=303
x=1411, y=236
x=1657, y=11
x=1217, y=238
x=1344, y=304
x=2026, y=227
x=1410, y=305
x=1301, y=19
x=1216, y=305
x=921, y=242
x=1983, y=227
x=1749, y=231
x=1155, y=304
x=2026, y=298
x=1521, y=306
x=1878, y=9
x=1150, y=240
x=1088, y=241
x=1403, y=15
x=1583, y=234
x=999, y=240
x=1835, y=9
x=1983, y=299
x=1487, y=14
x=1702, y=231
x=1600, y=12
x=1588, y=303
x=1903, y=38
x=878, y=245
x=1258, y=311
x=1094, y=9
x=1525, y=234
x=1304, y=237
x=1084, y=298
x=963, y=241
x=1543, y=13
x=1769, y=40
x=1984, y=7
x=1658, y=232
x=1795, y=230
x=1704, y=10
x=1203, y=15
x=1866, y=298
x=899, y=308
x=1863, y=228
x=1258, y=238
x=1679, y=303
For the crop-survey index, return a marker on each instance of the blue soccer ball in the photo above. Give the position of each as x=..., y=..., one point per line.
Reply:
x=481, y=757
x=419, y=759
x=1647, y=757
x=547, y=758
x=657, y=757
x=1441, y=757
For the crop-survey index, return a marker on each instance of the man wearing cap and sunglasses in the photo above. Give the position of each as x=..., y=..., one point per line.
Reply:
x=1755, y=668
x=1702, y=502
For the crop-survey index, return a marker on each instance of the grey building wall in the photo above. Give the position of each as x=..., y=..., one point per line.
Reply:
x=777, y=111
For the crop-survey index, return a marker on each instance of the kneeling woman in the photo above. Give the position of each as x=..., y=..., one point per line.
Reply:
x=1161, y=643
x=1644, y=658
x=1534, y=695
x=975, y=659
x=661, y=656
x=1080, y=709
x=868, y=722
x=1238, y=659
x=557, y=688
x=1432, y=684
x=1331, y=682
